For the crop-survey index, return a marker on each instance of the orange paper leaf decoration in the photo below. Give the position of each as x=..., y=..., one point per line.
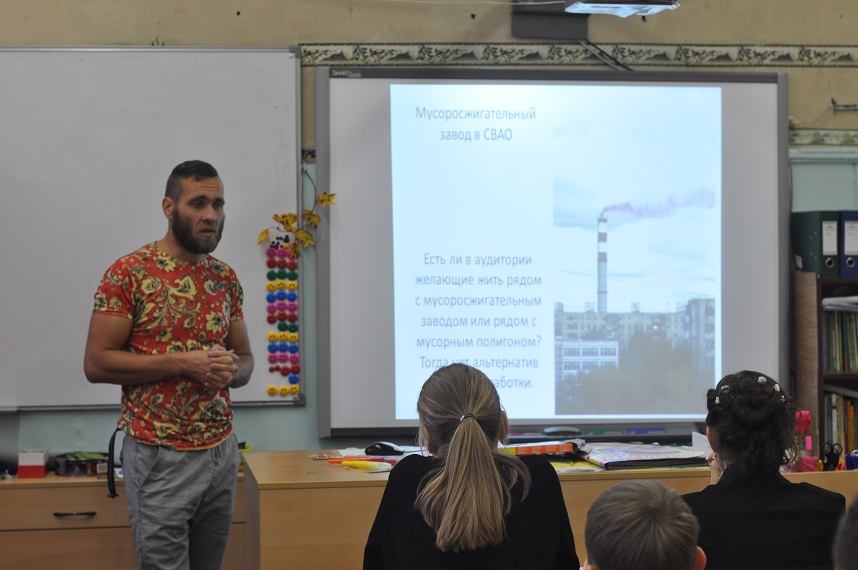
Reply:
x=311, y=218
x=325, y=199
x=305, y=238
x=263, y=235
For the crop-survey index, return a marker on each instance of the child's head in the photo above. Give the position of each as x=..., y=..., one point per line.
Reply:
x=642, y=524
x=751, y=422
x=454, y=394
x=466, y=497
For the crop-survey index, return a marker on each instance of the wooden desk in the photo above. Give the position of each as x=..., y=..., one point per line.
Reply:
x=310, y=514
x=70, y=523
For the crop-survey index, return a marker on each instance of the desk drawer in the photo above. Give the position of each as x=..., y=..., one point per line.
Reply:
x=74, y=549
x=79, y=549
x=54, y=508
x=32, y=507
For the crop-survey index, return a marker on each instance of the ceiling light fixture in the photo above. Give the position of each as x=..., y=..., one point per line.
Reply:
x=620, y=8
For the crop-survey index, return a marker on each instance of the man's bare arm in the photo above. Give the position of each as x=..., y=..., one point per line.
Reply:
x=107, y=361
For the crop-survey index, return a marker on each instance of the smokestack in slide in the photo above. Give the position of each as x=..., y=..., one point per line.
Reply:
x=602, y=285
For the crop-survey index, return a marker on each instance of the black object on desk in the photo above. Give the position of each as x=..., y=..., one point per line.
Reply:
x=830, y=456
x=383, y=448
x=667, y=434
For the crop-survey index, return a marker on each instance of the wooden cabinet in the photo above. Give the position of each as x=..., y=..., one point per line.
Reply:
x=814, y=370
x=71, y=523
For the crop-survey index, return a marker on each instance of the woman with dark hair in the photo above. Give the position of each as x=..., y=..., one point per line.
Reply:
x=469, y=504
x=751, y=516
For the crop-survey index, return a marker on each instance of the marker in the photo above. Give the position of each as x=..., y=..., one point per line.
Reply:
x=349, y=458
x=375, y=458
x=368, y=465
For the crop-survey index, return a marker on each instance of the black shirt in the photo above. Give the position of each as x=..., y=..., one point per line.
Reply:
x=766, y=523
x=539, y=535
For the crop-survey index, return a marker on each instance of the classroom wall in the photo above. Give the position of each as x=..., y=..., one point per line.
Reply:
x=813, y=42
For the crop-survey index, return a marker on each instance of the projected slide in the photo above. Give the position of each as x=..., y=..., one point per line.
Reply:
x=565, y=239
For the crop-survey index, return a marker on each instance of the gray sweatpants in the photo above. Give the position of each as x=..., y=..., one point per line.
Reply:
x=180, y=503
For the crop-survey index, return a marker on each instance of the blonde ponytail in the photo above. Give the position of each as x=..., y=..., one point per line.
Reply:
x=467, y=497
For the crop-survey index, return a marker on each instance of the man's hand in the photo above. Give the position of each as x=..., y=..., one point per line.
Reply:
x=214, y=368
x=223, y=367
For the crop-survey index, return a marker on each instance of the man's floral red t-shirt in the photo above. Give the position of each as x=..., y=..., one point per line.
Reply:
x=175, y=306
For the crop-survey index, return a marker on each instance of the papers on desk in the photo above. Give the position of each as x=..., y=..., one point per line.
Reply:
x=840, y=303
x=640, y=456
x=334, y=455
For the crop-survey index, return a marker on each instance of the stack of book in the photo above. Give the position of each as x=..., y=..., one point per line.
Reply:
x=840, y=336
x=642, y=456
x=839, y=423
x=564, y=447
x=567, y=456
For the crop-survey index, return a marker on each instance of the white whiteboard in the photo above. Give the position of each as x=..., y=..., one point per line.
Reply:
x=88, y=137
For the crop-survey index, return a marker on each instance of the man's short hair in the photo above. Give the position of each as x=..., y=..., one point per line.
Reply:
x=194, y=169
x=641, y=524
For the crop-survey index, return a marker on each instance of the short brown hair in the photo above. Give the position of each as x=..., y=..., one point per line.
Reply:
x=641, y=524
x=194, y=169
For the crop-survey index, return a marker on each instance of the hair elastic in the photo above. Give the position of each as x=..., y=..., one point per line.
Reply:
x=467, y=415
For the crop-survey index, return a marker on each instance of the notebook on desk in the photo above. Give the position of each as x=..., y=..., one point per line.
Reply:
x=637, y=456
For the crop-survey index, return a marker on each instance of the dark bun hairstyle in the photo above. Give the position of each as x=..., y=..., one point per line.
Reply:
x=753, y=420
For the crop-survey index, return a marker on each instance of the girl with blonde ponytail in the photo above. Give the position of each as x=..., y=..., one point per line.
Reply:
x=469, y=504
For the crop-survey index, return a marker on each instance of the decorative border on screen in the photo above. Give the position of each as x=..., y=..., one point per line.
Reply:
x=589, y=54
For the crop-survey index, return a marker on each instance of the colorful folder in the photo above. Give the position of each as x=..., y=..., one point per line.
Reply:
x=848, y=236
x=815, y=242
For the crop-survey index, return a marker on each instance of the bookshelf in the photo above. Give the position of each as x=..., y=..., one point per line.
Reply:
x=826, y=353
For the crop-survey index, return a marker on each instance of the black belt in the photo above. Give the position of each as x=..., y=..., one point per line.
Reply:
x=111, y=476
